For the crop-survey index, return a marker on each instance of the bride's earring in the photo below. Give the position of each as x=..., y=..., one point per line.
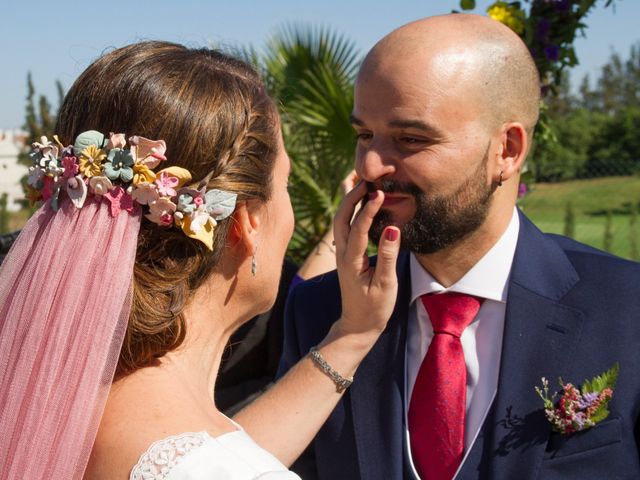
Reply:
x=254, y=264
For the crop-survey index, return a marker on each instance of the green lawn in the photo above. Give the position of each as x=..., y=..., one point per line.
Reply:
x=546, y=204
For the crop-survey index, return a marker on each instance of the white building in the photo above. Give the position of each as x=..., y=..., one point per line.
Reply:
x=11, y=144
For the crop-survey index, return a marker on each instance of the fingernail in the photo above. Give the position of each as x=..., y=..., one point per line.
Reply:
x=391, y=234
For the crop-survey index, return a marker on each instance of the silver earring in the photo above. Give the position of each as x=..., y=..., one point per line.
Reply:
x=254, y=265
x=500, y=181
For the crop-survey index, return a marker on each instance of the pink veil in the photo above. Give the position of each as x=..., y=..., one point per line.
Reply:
x=65, y=296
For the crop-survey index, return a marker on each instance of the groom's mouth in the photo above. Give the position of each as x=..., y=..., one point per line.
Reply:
x=393, y=199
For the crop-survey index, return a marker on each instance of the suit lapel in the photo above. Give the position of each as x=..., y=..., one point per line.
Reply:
x=377, y=393
x=540, y=334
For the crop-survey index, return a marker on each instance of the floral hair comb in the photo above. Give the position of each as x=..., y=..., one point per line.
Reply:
x=108, y=170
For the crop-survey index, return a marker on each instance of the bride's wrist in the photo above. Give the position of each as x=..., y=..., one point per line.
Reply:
x=361, y=337
x=345, y=349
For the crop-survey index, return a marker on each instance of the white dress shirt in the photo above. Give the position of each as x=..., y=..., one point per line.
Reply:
x=481, y=340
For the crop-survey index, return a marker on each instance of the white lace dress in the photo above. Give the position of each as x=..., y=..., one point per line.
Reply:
x=199, y=456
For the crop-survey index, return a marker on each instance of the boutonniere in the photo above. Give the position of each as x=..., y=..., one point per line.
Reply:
x=579, y=409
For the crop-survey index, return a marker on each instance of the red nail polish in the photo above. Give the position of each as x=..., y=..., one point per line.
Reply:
x=391, y=234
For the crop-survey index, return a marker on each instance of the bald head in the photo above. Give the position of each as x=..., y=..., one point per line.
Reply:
x=469, y=54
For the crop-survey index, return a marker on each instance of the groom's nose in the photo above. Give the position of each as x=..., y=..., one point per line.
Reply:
x=374, y=162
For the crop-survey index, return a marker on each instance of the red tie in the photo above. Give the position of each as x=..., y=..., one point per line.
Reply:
x=438, y=401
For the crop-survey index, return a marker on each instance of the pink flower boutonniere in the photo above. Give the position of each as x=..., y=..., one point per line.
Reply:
x=579, y=409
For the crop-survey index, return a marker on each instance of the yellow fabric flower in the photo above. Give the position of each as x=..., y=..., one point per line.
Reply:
x=204, y=233
x=91, y=160
x=509, y=15
x=142, y=173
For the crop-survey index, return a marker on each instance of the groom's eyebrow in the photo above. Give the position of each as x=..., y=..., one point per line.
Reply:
x=410, y=123
x=417, y=125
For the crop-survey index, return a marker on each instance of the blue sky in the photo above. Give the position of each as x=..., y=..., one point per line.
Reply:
x=58, y=39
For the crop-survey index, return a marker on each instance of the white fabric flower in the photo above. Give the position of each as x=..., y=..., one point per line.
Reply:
x=145, y=193
x=100, y=185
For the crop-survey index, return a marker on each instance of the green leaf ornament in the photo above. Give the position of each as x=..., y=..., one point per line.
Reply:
x=220, y=204
x=88, y=138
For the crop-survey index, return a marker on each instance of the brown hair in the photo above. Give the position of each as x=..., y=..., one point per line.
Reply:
x=217, y=120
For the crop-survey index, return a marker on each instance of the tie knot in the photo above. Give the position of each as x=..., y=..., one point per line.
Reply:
x=451, y=312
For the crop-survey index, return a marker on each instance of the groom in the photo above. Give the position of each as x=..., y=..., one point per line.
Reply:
x=444, y=112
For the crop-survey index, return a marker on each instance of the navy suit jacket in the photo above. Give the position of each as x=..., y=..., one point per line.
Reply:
x=572, y=312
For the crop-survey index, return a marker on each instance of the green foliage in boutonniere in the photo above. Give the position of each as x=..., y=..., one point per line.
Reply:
x=579, y=409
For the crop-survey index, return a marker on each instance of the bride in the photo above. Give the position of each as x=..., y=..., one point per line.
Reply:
x=165, y=222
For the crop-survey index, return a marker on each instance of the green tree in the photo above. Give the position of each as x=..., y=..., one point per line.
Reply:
x=549, y=29
x=39, y=122
x=618, y=86
x=595, y=131
x=569, y=156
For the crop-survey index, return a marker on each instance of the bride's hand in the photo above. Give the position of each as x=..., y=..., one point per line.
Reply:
x=287, y=416
x=368, y=293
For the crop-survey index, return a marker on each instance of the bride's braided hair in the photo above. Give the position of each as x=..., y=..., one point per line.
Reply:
x=218, y=122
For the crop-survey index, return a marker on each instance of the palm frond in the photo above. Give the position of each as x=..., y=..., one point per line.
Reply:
x=310, y=71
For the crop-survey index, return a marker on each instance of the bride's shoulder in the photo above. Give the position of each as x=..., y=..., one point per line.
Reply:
x=199, y=456
x=163, y=455
x=139, y=415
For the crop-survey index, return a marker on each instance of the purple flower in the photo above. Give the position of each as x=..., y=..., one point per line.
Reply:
x=522, y=190
x=588, y=399
x=544, y=90
x=579, y=419
x=563, y=5
x=552, y=52
x=542, y=29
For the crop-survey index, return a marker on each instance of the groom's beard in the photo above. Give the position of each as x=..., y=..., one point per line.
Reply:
x=439, y=221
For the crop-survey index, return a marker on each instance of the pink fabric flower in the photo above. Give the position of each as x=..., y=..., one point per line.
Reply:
x=166, y=185
x=49, y=188
x=148, y=152
x=120, y=200
x=70, y=164
x=116, y=140
x=166, y=219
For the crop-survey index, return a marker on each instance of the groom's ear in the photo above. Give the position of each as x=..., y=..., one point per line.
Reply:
x=245, y=226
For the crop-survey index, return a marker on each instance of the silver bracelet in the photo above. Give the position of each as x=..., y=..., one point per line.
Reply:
x=341, y=383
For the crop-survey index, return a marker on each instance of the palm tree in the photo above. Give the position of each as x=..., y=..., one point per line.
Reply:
x=310, y=72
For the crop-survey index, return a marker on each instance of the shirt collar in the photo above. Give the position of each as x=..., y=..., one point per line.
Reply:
x=489, y=278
